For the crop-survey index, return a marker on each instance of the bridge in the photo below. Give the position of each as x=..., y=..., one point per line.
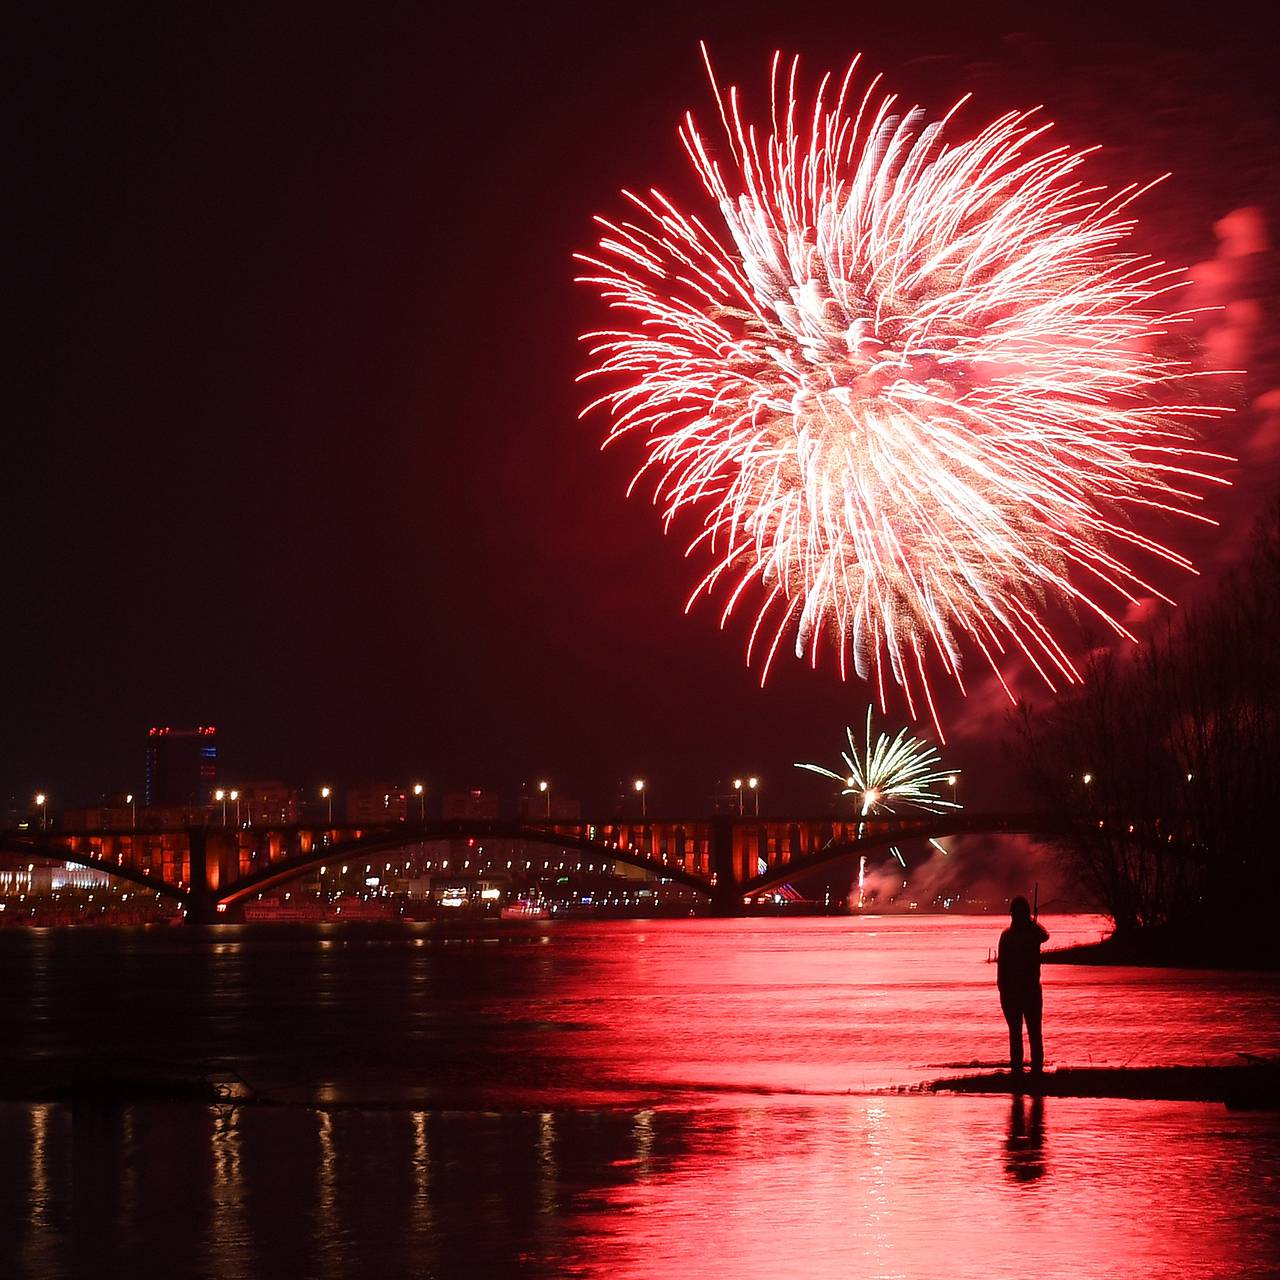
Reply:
x=209, y=869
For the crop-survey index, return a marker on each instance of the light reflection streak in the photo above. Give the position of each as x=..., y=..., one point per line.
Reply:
x=421, y=1218
x=38, y=1251
x=227, y=1233
x=327, y=1218
x=548, y=1173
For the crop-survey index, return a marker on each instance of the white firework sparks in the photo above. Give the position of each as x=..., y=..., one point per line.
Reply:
x=904, y=769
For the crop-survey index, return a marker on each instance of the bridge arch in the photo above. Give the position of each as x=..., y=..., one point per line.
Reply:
x=383, y=840
x=24, y=850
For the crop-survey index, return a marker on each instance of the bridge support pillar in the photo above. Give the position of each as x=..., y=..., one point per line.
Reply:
x=201, y=903
x=726, y=895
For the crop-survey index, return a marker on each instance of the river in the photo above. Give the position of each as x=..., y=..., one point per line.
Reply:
x=626, y=1098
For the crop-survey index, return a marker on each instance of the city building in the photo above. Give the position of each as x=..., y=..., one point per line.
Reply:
x=119, y=812
x=475, y=803
x=541, y=800
x=377, y=802
x=265, y=804
x=181, y=765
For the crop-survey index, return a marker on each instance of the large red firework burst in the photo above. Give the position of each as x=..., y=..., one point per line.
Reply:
x=913, y=387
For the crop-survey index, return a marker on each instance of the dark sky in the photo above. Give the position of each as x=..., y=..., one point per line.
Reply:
x=292, y=440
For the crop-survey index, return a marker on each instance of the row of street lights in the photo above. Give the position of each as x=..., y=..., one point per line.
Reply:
x=221, y=796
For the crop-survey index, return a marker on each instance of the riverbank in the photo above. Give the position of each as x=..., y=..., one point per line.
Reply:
x=1252, y=1085
x=1174, y=949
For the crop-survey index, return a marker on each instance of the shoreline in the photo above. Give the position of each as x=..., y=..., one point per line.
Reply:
x=1162, y=949
x=1253, y=1085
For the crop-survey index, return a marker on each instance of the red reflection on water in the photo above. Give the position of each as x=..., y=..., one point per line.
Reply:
x=928, y=1187
x=839, y=1006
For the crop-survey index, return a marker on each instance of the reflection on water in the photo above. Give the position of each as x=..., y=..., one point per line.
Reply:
x=616, y=1101
x=1024, y=1159
x=897, y=1186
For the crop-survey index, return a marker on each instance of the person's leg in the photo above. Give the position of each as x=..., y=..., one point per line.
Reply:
x=1034, y=1012
x=1012, y=1011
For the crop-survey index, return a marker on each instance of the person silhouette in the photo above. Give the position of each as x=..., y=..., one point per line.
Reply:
x=1018, y=980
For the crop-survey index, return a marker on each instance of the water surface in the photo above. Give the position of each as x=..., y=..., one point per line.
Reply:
x=674, y=1098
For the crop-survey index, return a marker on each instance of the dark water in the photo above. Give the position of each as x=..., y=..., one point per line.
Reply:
x=620, y=1099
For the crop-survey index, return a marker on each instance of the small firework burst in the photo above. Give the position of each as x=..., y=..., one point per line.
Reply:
x=883, y=770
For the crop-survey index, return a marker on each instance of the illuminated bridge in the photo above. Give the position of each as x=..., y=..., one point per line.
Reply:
x=209, y=869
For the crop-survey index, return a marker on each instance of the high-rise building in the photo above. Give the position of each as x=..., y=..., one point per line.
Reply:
x=182, y=765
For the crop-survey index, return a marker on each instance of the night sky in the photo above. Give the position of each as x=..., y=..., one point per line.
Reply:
x=293, y=443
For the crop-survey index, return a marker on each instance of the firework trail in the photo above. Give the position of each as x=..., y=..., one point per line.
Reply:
x=912, y=388
x=904, y=769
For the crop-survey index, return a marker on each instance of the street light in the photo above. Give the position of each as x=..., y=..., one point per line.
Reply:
x=754, y=784
x=545, y=788
x=326, y=793
x=737, y=786
x=420, y=791
x=1087, y=779
x=639, y=785
x=221, y=797
x=42, y=803
x=133, y=806
x=235, y=799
